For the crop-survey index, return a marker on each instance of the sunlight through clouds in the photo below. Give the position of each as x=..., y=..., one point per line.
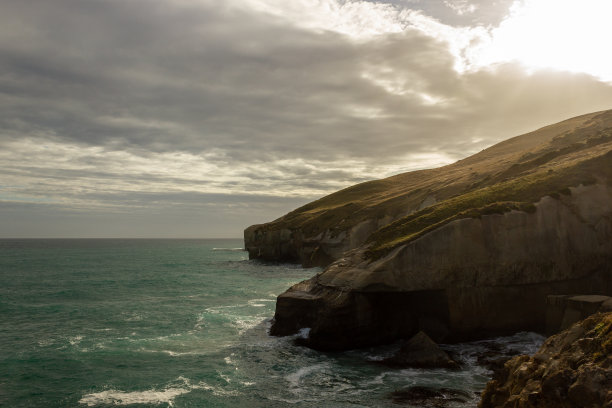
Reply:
x=249, y=108
x=559, y=34
x=356, y=19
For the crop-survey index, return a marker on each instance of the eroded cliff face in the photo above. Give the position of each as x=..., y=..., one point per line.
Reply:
x=295, y=245
x=469, y=278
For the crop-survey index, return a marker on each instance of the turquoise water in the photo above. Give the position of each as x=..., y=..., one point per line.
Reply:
x=178, y=323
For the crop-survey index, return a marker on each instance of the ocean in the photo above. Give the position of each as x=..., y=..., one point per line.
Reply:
x=180, y=323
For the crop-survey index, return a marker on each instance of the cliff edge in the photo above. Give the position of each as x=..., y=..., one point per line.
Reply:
x=322, y=231
x=468, y=250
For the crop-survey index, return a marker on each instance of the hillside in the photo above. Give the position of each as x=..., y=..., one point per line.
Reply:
x=510, y=175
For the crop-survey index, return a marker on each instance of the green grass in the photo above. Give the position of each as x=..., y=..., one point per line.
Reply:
x=516, y=194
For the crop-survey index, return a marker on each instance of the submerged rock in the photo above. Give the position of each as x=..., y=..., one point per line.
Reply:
x=572, y=369
x=420, y=352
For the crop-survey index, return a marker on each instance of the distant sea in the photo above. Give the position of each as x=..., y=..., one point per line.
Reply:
x=182, y=323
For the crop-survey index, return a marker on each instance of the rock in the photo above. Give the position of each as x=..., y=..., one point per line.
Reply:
x=572, y=369
x=337, y=319
x=469, y=279
x=606, y=306
x=562, y=311
x=420, y=352
x=312, y=244
x=494, y=361
x=426, y=397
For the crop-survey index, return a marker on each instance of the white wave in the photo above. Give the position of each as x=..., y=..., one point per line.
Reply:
x=295, y=378
x=229, y=249
x=378, y=380
x=243, y=325
x=218, y=309
x=259, y=302
x=216, y=391
x=200, y=323
x=45, y=342
x=179, y=354
x=304, y=333
x=152, y=396
x=285, y=400
x=242, y=322
x=136, y=397
x=75, y=340
x=133, y=317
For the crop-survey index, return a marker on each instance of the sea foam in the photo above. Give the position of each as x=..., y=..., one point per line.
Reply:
x=152, y=396
x=136, y=397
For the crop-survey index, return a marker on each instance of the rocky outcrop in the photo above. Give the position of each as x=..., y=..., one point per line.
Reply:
x=572, y=369
x=420, y=352
x=293, y=244
x=562, y=311
x=469, y=278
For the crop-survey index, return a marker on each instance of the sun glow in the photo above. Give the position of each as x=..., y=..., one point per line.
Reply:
x=566, y=35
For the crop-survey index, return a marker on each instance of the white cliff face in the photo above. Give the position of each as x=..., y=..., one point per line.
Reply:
x=565, y=238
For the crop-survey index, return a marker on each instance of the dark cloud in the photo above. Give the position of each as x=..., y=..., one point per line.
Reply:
x=257, y=103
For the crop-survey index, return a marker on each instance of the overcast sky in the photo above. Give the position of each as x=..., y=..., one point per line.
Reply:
x=197, y=118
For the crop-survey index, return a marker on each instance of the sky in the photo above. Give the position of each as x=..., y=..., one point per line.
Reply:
x=198, y=118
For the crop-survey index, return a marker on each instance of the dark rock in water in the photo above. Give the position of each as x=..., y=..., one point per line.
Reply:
x=420, y=352
x=572, y=369
x=495, y=364
x=427, y=397
x=495, y=357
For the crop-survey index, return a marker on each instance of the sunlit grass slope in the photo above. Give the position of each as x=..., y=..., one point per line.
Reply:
x=511, y=175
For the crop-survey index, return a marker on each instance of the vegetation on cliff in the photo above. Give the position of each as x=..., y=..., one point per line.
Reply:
x=512, y=175
x=519, y=194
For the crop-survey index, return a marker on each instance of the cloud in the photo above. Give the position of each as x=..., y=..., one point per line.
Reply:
x=113, y=107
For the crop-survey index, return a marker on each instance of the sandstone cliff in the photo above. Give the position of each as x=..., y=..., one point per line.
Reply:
x=464, y=251
x=572, y=369
x=322, y=231
x=470, y=278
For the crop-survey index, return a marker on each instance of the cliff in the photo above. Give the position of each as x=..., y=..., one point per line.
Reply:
x=322, y=231
x=470, y=278
x=572, y=369
x=464, y=251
